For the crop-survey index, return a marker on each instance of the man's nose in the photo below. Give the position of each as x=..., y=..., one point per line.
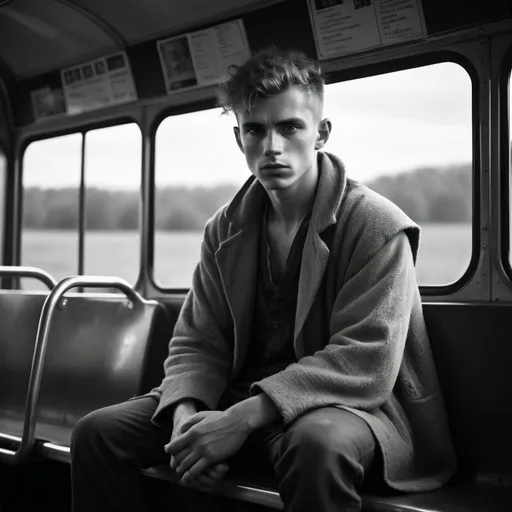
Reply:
x=273, y=144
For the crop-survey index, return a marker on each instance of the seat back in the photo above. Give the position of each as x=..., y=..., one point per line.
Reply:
x=472, y=346
x=96, y=351
x=157, y=350
x=19, y=317
x=97, y=348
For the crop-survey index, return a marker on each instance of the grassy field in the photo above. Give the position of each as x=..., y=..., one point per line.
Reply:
x=445, y=251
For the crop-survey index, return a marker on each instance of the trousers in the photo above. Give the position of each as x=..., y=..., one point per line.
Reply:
x=318, y=462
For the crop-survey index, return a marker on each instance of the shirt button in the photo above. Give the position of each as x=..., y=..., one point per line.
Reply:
x=274, y=324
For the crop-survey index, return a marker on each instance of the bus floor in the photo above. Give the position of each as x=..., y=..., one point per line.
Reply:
x=45, y=485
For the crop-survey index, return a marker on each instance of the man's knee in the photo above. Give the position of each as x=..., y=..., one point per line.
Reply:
x=322, y=460
x=97, y=426
x=327, y=433
x=122, y=432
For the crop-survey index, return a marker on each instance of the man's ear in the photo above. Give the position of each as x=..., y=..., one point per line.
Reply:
x=324, y=131
x=236, y=131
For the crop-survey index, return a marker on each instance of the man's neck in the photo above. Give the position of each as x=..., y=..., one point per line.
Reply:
x=290, y=206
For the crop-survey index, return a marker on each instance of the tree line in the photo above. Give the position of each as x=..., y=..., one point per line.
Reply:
x=427, y=195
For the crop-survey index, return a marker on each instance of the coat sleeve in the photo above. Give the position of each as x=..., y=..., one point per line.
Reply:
x=369, y=324
x=200, y=356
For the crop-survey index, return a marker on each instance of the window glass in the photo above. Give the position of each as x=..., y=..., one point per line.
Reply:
x=408, y=135
x=113, y=159
x=198, y=168
x=51, y=180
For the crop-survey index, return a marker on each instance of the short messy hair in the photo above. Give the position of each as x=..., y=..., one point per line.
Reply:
x=269, y=72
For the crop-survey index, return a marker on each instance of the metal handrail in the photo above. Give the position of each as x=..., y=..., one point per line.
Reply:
x=43, y=331
x=33, y=272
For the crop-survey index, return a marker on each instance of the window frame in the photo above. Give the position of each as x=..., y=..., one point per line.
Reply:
x=366, y=71
x=173, y=111
x=81, y=228
x=505, y=148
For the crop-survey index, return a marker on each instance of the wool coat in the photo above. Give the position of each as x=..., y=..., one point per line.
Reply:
x=360, y=339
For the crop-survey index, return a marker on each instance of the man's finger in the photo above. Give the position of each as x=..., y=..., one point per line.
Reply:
x=212, y=473
x=187, y=463
x=211, y=476
x=217, y=471
x=206, y=481
x=177, y=444
x=178, y=458
x=193, y=420
x=195, y=470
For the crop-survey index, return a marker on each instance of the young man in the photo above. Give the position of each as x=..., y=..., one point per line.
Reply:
x=302, y=337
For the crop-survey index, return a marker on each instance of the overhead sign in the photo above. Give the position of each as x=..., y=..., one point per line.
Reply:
x=47, y=102
x=98, y=83
x=202, y=58
x=343, y=27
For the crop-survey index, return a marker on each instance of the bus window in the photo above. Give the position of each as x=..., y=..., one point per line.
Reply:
x=408, y=135
x=113, y=159
x=51, y=180
x=198, y=168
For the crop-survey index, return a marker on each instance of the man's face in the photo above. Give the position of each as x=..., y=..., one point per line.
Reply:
x=280, y=136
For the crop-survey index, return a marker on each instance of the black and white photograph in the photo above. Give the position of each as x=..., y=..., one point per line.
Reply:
x=115, y=62
x=99, y=67
x=324, y=4
x=177, y=63
x=87, y=71
x=68, y=77
x=76, y=74
x=47, y=102
x=256, y=255
x=359, y=4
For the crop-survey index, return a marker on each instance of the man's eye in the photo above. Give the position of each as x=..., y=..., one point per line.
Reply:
x=291, y=128
x=253, y=131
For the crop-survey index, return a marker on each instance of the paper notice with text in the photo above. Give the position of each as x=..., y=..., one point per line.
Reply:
x=400, y=20
x=98, y=83
x=343, y=27
x=202, y=58
x=47, y=102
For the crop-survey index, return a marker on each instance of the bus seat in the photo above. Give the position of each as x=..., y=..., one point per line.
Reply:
x=473, y=352
x=472, y=349
x=95, y=355
x=463, y=497
x=158, y=348
x=19, y=317
x=94, y=358
x=97, y=348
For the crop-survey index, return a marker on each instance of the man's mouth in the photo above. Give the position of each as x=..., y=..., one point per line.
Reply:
x=274, y=166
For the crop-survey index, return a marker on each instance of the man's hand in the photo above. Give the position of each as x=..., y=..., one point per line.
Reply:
x=211, y=436
x=205, y=439
x=211, y=475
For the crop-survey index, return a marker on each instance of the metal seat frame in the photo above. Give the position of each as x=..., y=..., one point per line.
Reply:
x=28, y=439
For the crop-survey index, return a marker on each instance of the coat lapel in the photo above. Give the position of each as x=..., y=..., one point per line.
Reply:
x=238, y=265
x=314, y=262
x=237, y=260
x=315, y=255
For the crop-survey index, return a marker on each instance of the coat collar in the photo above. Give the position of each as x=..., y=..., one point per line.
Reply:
x=247, y=203
x=237, y=256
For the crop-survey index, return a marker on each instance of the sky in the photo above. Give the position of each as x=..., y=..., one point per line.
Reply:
x=381, y=125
